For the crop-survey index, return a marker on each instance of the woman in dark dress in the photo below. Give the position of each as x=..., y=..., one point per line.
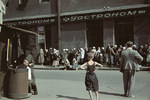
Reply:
x=91, y=81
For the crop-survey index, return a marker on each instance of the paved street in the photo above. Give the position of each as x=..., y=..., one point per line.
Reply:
x=69, y=85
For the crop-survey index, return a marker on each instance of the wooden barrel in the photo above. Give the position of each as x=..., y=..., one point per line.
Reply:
x=18, y=83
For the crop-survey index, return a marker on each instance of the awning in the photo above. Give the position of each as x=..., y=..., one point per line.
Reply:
x=19, y=29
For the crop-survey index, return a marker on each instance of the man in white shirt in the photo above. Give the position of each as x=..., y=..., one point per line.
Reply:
x=26, y=62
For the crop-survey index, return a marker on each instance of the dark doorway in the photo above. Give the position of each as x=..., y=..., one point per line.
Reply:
x=48, y=36
x=94, y=33
x=124, y=31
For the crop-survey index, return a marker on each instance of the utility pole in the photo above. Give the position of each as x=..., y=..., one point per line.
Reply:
x=59, y=25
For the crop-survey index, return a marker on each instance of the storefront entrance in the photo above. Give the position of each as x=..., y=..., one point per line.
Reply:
x=124, y=31
x=94, y=33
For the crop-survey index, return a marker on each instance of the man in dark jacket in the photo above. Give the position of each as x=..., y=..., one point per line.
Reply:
x=129, y=64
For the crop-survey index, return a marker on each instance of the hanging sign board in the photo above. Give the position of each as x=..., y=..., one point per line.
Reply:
x=107, y=15
x=83, y=17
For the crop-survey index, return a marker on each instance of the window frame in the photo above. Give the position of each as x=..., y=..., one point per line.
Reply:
x=7, y=4
x=46, y=1
x=22, y=2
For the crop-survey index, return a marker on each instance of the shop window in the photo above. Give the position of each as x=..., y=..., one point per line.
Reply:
x=23, y=2
x=44, y=1
x=7, y=4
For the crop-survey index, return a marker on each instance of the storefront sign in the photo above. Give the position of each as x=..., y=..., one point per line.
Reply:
x=30, y=22
x=83, y=17
x=104, y=15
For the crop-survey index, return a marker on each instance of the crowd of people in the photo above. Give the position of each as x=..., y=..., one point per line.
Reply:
x=91, y=57
x=72, y=58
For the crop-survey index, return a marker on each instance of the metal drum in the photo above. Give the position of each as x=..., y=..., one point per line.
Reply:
x=18, y=83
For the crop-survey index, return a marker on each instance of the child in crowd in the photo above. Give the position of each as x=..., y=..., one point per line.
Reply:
x=67, y=64
x=74, y=64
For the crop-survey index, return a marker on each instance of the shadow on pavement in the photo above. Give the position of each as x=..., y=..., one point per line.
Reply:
x=69, y=97
x=114, y=94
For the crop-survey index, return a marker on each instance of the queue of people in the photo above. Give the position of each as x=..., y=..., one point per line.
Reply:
x=109, y=55
x=72, y=57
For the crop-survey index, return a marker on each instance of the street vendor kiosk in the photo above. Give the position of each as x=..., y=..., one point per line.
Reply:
x=13, y=82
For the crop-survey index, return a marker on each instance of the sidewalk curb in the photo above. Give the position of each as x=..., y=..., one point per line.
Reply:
x=40, y=67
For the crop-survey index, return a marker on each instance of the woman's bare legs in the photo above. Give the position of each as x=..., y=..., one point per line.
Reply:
x=96, y=93
x=90, y=93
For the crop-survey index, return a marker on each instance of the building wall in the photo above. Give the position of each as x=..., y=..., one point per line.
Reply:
x=142, y=30
x=34, y=8
x=73, y=35
x=77, y=5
